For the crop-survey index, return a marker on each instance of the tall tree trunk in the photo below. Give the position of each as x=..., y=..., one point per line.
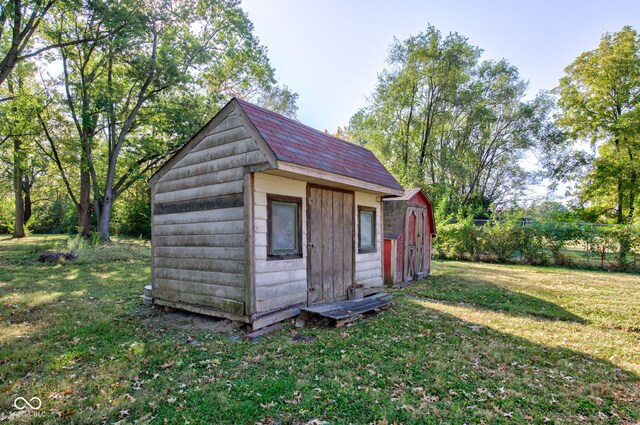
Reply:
x=405, y=152
x=18, y=229
x=632, y=196
x=105, y=217
x=108, y=198
x=116, y=143
x=18, y=225
x=84, y=206
x=619, y=216
x=632, y=187
x=27, y=199
x=85, y=125
x=427, y=132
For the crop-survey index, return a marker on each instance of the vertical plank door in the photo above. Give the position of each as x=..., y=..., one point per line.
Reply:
x=330, y=243
x=414, y=243
x=420, y=230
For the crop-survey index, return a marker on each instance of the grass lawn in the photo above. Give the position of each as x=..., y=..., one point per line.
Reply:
x=473, y=343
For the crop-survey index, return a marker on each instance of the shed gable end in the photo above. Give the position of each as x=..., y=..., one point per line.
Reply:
x=214, y=158
x=198, y=221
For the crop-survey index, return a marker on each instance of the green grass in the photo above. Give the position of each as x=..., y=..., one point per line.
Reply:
x=473, y=343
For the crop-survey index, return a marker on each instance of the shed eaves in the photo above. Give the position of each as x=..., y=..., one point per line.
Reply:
x=299, y=144
x=408, y=194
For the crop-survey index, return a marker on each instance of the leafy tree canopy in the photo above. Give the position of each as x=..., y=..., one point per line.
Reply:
x=444, y=120
x=598, y=100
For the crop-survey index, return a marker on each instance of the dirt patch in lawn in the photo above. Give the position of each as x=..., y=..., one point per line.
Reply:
x=49, y=257
x=187, y=321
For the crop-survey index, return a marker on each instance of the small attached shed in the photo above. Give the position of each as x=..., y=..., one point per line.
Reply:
x=258, y=216
x=409, y=227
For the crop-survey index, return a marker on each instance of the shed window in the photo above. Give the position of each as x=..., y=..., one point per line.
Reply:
x=284, y=224
x=366, y=229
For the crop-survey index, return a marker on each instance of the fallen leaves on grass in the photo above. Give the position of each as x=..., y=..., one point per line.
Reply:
x=66, y=413
x=61, y=394
x=168, y=364
x=268, y=405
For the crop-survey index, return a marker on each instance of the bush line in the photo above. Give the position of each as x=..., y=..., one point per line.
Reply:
x=576, y=245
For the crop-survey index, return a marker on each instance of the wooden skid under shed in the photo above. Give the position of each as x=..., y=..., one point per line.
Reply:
x=344, y=311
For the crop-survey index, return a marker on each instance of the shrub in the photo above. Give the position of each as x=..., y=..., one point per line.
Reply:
x=458, y=240
x=59, y=217
x=502, y=238
x=557, y=236
x=7, y=218
x=132, y=216
x=533, y=248
x=614, y=247
x=634, y=249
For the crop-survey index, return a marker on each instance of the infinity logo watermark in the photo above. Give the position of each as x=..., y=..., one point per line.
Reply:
x=22, y=403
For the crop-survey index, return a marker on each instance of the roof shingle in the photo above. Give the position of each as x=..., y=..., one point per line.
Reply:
x=299, y=144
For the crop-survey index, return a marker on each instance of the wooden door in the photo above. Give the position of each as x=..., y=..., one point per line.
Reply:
x=414, y=243
x=330, y=217
x=420, y=238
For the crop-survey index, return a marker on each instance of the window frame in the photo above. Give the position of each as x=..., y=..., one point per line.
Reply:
x=278, y=255
x=374, y=224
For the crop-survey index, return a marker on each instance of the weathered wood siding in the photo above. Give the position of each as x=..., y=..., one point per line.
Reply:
x=417, y=201
x=198, y=222
x=278, y=283
x=369, y=265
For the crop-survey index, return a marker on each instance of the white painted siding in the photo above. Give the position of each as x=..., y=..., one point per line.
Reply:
x=369, y=265
x=279, y=283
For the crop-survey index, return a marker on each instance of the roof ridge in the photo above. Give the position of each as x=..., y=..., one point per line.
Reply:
x=291, y=120
x=297, y=143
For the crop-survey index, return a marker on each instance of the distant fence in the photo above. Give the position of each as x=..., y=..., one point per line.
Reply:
x=528, y=221
x=584, y=245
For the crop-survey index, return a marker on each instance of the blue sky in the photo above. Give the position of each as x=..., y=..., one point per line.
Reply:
x=331, y=51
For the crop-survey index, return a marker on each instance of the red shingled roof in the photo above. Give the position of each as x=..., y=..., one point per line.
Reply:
x=299, y=144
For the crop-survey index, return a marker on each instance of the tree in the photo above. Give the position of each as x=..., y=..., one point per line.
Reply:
x=599, y=97
x=79, y=102
x=19, y=128
x=137, y=94
x=280, y=100
x=439, y=118
x=20, y=23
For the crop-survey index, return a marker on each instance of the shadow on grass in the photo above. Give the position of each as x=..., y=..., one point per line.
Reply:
x=67, y=328
x=20, y=259
x=555, y=382
x=34, y=296
x=93, y=360
x=461, y=288
x=405, y=365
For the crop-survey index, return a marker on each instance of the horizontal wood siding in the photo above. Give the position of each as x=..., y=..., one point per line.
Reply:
x=211, y=253
x=369, y=265
x=222, y=241
x=198, y=222
x=209, y=216
x=217, y=228
x=279, y=283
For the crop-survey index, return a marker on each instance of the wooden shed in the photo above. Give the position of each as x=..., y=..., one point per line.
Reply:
x=258, y=216
x=409, y=228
